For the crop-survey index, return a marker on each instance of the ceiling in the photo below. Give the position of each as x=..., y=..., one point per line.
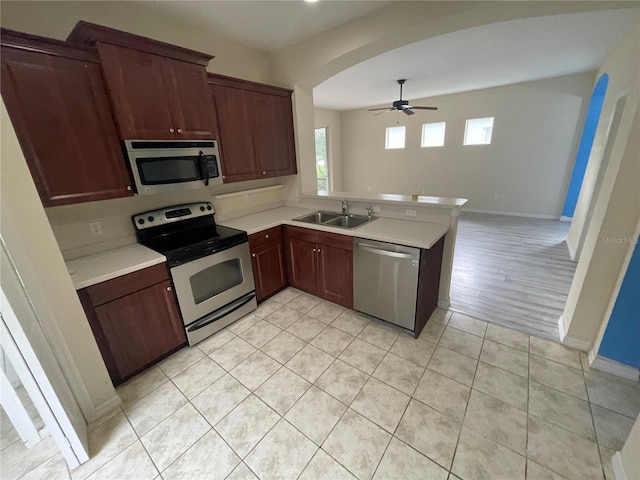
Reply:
x=269, y=25
x=480, y=57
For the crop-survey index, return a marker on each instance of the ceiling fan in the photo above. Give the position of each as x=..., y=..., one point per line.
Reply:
x=401, y=105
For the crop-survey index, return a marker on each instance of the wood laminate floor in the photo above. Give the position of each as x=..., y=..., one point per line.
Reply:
x=513, y=271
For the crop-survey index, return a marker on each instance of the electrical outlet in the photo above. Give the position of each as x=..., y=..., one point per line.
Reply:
x=376, y=209
x=246, y=198
x=410, y=213
x=96, y=228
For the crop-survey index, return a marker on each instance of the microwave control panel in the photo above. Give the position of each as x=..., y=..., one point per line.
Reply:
x=211, y=163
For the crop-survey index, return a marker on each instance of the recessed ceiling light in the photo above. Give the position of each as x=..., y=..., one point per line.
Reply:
x=311, y=1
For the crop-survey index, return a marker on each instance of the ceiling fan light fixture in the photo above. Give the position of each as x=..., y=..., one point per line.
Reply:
x=402, y=105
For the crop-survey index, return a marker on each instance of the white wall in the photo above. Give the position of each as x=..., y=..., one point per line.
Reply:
x=56, y=19
x=528, y=165
x=35, y=254
x=629, y=455
x=333, y=120
x=617, y=208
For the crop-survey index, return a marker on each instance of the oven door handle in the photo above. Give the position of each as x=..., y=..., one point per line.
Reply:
x=222, y=312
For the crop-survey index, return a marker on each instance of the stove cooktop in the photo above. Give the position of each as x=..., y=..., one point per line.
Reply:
x=185, y=232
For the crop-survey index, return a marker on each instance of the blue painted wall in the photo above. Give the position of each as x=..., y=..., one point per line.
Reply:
x=586, y=142
x=621, y=341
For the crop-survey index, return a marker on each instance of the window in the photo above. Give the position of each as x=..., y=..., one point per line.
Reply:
x=433, y=134
x=322, y=159
x=395, y=137
x=478, y=131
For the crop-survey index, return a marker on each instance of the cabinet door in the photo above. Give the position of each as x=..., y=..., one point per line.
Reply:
x=335, y=273
x=269, y=271
x=61, y=114
x=302, y=260
x=138, y=329
x=236, y=148
x=192, y=106
x=136, y=82
x=273, y=134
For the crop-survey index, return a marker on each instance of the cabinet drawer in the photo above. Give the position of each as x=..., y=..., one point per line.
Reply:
x=119, y=287
x=266, y=236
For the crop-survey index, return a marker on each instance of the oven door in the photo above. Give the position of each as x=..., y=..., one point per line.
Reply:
x=210, y=283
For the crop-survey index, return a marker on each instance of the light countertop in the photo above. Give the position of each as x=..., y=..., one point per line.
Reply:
x=402, y=232
x=390, y=198
x=93, y=269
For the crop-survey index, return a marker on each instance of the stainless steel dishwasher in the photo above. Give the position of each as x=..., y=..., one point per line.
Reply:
x=385, y=281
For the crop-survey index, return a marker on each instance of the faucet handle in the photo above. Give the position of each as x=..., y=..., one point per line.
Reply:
x=345, y=206
x=369, y=212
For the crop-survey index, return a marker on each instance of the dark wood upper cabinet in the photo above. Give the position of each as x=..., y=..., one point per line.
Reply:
x=159, y=91
x=58, y=104
x=239, y=162
x=256, y=129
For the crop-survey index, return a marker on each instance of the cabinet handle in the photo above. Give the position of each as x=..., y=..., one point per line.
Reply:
x=253, y=255
x=179, y=130
x=171, y=130
x=168, y=289
x=266, y=236
x=129, y=187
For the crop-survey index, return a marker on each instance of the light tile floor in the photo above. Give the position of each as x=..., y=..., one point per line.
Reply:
x=302, y=388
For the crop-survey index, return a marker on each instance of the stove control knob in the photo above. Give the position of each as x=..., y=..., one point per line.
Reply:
x=208, y=207
x=201, y=208
x=150, y=218
x=141, y=221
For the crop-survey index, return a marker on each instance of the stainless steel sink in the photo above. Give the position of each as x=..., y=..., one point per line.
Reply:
x=333, y=219
x=348, y=221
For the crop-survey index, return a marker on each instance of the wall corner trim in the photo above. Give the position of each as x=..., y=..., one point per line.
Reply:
x=572, y=249
x=571, y=342
x=103, y=409
x=615, y=368
x=565, y=219
x=618, y=467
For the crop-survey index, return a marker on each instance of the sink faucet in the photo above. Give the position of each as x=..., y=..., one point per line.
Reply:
x=369, y=212
x=345, y=207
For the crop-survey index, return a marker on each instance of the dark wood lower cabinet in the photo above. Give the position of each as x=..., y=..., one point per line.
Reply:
x=321, y=263
x=268, y=262
x=135, y=320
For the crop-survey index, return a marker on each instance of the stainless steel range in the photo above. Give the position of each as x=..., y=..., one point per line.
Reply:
x=210, y=265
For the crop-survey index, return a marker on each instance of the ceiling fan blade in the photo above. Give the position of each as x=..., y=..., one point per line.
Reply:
x=374, y=109
x=424, y=108
x=408, y=111
x=384, y=111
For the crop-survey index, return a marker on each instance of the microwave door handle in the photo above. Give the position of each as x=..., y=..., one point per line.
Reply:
x=203, y=168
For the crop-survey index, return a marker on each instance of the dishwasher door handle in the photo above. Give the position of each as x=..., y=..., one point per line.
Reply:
x=386, y=253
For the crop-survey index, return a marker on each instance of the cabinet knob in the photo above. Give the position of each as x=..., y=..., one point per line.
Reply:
x=253, y=255
x=318, y=250
x=171, y=130
x=266, y=236
x=264, y=173
x=129, y=187
x=168, y=289
x=179, y=130
x=314, y=249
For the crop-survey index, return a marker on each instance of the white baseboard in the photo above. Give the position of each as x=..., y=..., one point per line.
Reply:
x=615, y=368
x=103, y=409
x=513, y=214
x=565, y=219
x=444, y=305
x=618, y=467
x=571, y=342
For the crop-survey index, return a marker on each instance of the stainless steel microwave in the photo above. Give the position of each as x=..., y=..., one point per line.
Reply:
x=166, y=166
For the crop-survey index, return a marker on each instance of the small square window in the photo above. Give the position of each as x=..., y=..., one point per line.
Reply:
x=478, y=131
x=395, y=137
x=433, y=134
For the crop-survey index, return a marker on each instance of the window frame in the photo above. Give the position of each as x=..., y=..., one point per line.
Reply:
x=484, y=133
x=327, y=158
x=404, y=137
x=444, y=134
